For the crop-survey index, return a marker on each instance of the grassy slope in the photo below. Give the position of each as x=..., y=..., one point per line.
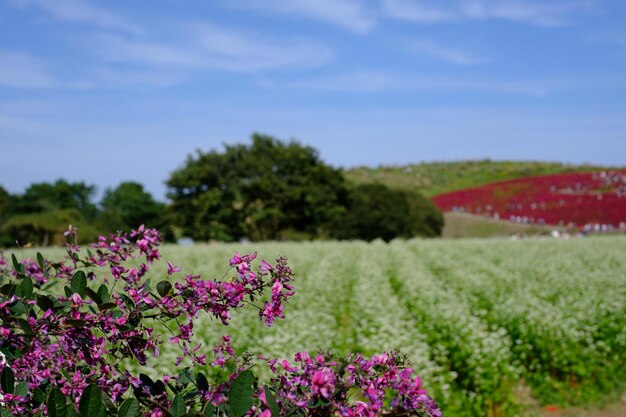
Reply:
x=440, y=177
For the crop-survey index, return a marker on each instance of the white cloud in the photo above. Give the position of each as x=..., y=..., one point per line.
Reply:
x=82, y=12
x=19, y=70
x=350, y=14
x=535, y=12
x=213, y=47
x=379, y=82
x=417, y=11
x=455, y=56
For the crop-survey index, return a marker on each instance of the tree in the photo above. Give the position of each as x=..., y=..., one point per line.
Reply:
x=6, y=205
x=44, y=211
x=377, y=211
x=46, y=228
x=258, y=191
x=128, y=206
x=40, y=197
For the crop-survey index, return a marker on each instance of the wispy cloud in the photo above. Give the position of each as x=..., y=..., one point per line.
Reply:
x=82, y=12
x=418, y=11
x=537, y=13
x=18, y=70
x=213, y=47
x=350, y=14
x=381, y=82
x=534, y=12
x=105, y=77
x=455, y=56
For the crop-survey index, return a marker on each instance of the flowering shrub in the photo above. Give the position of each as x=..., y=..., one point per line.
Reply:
x=67, y=327
x=592, y=200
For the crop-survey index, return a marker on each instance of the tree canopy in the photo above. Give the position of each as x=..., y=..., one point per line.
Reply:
x=258, y=191
x=264, y=190
x=377, y=211
x=129, y=205
x=43, y=212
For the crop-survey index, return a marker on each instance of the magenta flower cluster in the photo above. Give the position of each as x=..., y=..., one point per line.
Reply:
x=68, y=325
x=352, y=387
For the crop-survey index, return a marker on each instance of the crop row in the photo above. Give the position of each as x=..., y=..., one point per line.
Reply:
x=479, y=320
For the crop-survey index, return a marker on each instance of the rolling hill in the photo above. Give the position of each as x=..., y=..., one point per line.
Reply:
x=499, y=198
x=432, y=178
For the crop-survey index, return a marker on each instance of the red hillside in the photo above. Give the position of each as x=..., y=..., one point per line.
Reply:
x=585, y=200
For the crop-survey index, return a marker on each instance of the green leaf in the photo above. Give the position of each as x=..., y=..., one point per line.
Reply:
x=41, y=262
x=16, y=264
x=109, y=404
x=209, y=410
x=18, y=308
x=39, y=397
x=103, y=293
x=177, y=409
x=27, y=288
x=129, y=408
x=6, y=413
x=127, y=300
x=106, y=306
x=271, y=402
x=8, y=289
x=22, y=389
x=93, y=295
x=25, y=326
x=240, y=394
x=201, y=382
x=185, y=376
x=57, y=403
x=90, y=404
x=7, y=380
x=164, y=288
x=45, y=303
x=79, y=283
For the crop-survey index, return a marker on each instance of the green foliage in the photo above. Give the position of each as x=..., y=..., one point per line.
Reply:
x=42, y=213
x=43, y=197
x=91, y=404
x=46, y=228
x=128, y=206
x=271, y=402
x=240, y=394
x=129, y=408
x=57, y=403
x=377, y=211
x=6, y=201
x=177, y=409
x=7, y=381
x=256, y=191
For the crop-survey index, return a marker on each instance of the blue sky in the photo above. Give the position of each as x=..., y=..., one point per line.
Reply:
x=107, y=91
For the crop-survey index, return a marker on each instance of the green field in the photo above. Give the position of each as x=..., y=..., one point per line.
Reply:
x=480, y=320
x=483, y=321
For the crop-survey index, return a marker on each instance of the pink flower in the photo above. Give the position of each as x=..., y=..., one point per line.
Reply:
x=157, y=412
x=76, y=300
x=171, y=268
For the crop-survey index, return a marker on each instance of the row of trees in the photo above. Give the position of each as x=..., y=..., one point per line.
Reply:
x=41, y=214
x=266, y=190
